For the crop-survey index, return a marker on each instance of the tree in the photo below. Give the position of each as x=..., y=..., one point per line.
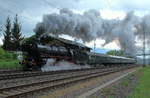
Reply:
x=16, y=34
x=116, y=53
x=39, y=31
x=7, y=42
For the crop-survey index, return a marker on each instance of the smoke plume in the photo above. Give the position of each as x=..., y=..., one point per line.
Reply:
x=90, y=26
x=52, y=65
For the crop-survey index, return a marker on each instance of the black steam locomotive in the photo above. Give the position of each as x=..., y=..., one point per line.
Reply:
x=38, y=51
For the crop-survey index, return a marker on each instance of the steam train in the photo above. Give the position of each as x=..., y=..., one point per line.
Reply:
x=38, y=51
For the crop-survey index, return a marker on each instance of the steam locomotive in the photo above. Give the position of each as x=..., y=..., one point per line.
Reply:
x=38, y=51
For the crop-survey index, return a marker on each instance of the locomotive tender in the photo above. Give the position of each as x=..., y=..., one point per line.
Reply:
x=38, y=51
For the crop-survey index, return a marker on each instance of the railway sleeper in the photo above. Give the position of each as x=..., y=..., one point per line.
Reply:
x=55, y=84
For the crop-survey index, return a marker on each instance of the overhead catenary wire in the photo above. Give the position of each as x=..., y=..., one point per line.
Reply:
x=108, y=4
x=50, y=4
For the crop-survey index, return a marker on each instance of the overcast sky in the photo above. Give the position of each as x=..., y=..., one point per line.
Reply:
x=31, y=11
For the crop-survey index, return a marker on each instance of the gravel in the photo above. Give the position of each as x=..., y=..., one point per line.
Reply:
x=120, y=89
x=79, y=88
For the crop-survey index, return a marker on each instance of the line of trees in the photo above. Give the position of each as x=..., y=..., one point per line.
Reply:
x=12, y=35
x=116, y=53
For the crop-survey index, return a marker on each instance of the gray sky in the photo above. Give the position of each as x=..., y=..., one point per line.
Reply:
x=31, y=11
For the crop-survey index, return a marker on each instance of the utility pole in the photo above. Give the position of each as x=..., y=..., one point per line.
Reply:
x=94, y=46
x=0, y=30
x=144, y=47
x=94, y=52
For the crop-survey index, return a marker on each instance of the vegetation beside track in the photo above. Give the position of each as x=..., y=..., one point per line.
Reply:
x=120, y=89
x=142, y=89
x=8, y=60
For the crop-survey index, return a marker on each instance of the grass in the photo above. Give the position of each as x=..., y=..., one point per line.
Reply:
x=111, y=97
x=10, y=64
x=126, y=81
x=107, y=91
x=8, y=60
x=142, y=89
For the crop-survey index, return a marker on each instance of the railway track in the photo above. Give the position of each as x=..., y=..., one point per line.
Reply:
x=25, y=80
x=56, y=81
x=23, y=74
x=9, y=70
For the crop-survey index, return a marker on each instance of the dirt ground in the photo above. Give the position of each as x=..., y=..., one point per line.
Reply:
x=82, y=87
x=120, y=89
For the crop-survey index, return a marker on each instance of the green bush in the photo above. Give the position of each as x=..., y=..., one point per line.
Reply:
x=7, y=54
x=2, y=52
x=8, y=60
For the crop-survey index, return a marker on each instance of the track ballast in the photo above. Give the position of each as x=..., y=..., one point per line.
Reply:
x=55, y=80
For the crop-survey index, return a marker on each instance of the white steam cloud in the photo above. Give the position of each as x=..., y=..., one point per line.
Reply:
x=52, y=65
x=90, y=26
